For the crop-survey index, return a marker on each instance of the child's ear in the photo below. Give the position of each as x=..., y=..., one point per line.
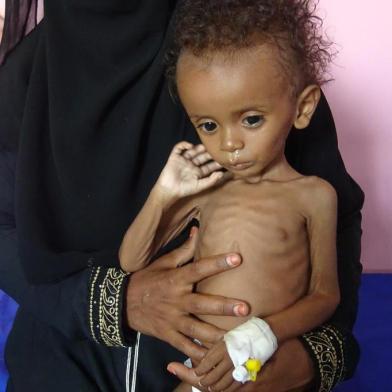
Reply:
x=306, y=105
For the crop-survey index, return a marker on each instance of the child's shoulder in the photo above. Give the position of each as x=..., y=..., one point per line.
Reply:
x=316, y=192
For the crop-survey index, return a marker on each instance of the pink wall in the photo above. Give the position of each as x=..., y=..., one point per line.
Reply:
x=361, y=101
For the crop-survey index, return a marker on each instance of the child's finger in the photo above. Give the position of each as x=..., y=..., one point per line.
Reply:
x=202, y=158
x=183, y=373
x=216, y=374
x=210, y=167
x=180, y=147
x=226, y=383
x=194, y=151
x=213, y=357
x=226, y=176
x=209, y=181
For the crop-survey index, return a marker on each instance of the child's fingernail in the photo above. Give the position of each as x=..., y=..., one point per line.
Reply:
x=233, y=260
x=170, y=370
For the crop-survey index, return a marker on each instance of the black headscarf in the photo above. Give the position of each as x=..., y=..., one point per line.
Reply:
x=93, y=123
x=97, y=125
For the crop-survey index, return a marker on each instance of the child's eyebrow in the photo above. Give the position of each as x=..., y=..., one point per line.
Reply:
x=247, y=108
x=250, y=108
x=198, y=116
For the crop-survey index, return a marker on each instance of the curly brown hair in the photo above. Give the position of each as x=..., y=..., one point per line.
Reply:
x=206, y=26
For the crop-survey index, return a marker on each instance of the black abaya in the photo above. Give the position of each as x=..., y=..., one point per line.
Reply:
x=86, y=113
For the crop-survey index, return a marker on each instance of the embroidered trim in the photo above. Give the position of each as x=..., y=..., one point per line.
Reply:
x=105, y=307
x=94, y=277
x=327, y=346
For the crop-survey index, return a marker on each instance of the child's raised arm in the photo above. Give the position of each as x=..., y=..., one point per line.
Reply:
x=189, y=171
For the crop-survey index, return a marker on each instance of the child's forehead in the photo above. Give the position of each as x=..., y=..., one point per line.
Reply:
x=245, y=76
x=260, y=59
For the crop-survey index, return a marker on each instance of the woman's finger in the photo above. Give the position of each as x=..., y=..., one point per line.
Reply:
x=187, y=346
x=208, y=266
x=204, y=332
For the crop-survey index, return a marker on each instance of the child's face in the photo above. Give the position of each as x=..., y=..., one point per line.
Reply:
x=242, y=107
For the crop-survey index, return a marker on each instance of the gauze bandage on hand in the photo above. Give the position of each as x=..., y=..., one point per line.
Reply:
x=252, y=340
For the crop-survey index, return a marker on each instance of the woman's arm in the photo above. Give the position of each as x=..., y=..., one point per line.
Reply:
x=62, y=305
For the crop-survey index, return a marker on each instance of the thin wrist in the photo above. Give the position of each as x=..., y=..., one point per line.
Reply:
x=161, y=197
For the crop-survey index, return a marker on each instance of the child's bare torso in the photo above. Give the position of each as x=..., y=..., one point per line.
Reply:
x=266, y=224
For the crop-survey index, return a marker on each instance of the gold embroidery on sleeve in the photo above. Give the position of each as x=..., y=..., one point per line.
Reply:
x=104, y=305
x=327, y=346
x=109, y=318
x=95, y=273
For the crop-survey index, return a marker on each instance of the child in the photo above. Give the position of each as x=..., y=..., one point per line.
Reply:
x=246, y=72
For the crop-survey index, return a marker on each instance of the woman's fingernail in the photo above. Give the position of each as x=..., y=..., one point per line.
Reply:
x=233, y=260
x=170, y=370
x=239, y=310
x=192, y=232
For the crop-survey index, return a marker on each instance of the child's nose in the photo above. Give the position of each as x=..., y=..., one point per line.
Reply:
x=231, y=142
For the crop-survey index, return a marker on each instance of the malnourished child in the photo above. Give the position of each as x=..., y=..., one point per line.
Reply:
x=247, y=72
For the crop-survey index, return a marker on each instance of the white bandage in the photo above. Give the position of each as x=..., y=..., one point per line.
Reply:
x=253, y=339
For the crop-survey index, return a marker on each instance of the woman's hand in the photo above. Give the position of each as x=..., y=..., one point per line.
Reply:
x=160, y=299
x=289, y=369
x=189, y=170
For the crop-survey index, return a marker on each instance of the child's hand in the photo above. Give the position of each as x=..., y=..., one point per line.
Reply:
x=216, y=368
x=189, y=170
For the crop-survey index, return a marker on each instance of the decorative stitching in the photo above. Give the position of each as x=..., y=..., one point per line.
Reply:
x=105, y=319
x=327, y=345
x=94, y=277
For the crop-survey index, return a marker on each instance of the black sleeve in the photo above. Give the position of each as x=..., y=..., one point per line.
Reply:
x=314, y=151
x=14, y=85
x=67, y=304
x=86, y=305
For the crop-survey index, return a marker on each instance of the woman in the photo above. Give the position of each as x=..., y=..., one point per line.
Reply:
x=86, y=114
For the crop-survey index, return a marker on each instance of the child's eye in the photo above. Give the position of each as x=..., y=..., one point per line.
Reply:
x=208, y=127
x=253, y=121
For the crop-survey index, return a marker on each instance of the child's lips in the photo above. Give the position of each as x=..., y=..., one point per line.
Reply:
x=240, y=165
